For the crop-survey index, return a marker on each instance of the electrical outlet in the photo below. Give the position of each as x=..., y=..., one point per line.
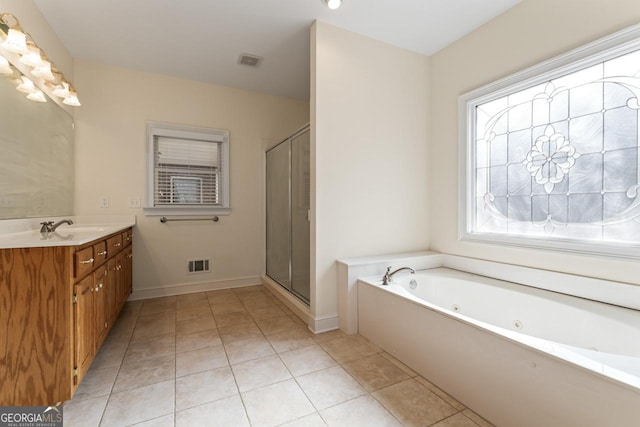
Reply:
x=7, y=202
x=103, y=201
x=134, y=202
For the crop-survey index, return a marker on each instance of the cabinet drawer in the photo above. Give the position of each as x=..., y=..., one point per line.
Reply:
x=100, y=252
x=114, y=244
x=83, y=262
x=127, y=237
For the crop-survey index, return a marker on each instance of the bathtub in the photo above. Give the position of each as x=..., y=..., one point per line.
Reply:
x=518, y=355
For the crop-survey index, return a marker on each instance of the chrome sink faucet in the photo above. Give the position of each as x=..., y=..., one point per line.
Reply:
x=50, y=227
x=386, y=279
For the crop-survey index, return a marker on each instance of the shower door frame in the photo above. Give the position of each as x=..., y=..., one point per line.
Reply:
x=290, y=288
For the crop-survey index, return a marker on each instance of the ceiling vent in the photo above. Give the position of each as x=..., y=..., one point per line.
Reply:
x=250, y=60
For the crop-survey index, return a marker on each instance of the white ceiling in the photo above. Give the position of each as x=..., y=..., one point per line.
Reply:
x=202, y=39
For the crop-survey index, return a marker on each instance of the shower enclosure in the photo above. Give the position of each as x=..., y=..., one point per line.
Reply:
x=288, y=198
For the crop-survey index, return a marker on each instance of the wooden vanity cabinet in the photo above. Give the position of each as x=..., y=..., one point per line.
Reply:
x=57, y=305
x=102, y=304
x=108, y=283
x=83, y=326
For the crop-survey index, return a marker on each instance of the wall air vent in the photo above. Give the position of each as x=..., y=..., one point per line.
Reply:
x=198, y=265
x=250, y=60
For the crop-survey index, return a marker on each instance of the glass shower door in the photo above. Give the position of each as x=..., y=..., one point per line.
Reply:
x=300, y=205
x=288, y=203
x=278, y=214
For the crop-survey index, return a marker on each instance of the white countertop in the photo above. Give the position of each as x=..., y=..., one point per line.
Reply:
x=25, y=233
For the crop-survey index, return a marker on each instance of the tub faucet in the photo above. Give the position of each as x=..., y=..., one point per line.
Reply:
x=386, y=279
x=50, y=227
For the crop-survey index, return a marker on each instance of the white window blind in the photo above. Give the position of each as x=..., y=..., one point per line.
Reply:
x=187, y=170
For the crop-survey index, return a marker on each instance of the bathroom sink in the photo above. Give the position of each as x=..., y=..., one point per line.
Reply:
x=79, y=229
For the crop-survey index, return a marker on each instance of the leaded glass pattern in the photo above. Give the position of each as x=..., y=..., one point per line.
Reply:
x=561, y=158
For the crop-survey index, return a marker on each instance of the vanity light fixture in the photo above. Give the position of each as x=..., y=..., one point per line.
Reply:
x=32, y=57
x=72, y=99
x=37, y=96
x=44, y=71
x=26, y=86
x=61, y=90
x=16, y=40
x=333, y=4
x=5, y=68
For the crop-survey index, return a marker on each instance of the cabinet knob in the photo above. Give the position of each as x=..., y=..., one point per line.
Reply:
x=97, y=289
x=102, y=253
x=100, y=285
x=87, y=261
x=117, y=245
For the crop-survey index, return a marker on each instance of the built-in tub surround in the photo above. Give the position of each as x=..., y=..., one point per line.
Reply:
x=351, y=269
x=25, y=233
x=518, y=355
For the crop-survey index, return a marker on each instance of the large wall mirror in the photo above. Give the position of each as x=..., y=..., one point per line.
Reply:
x=36, y=156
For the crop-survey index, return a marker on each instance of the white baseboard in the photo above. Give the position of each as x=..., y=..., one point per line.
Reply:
x=325, y=324
x=189, y=288
x=316, y=324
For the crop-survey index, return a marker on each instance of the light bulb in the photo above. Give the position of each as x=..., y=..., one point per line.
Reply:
x=5, y=68
x=37, y=96
x=16, y=41
x=333, y=4
x=62, y=90
x=26, y=86
x=72, y=99
x=44, y=71
x=32, y=57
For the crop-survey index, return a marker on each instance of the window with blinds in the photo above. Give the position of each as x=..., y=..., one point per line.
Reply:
x=188, y=170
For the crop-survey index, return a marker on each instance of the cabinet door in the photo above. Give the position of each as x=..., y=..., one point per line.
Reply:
x=120, y=282
x=128, y=273
x=101, y=304
x=110, y=297
x=83, y=319
x=112, y=283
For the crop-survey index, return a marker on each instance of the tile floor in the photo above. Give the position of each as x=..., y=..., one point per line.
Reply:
x=241, y=358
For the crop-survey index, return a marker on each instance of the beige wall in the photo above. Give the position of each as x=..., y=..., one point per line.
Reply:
x=369, y=153
x=33, y=22
x=531, y=32
x=110, y=150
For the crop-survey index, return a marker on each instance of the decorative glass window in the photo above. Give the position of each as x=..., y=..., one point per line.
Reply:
x=188, y=170
x=552, y=154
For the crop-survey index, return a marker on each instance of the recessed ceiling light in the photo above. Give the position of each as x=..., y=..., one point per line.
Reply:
x=333, y=4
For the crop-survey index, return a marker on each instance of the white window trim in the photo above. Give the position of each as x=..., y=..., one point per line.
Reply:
x=619, y=43
x=187, y=132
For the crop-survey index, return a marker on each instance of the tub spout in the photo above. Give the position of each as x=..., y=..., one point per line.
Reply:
x=386, y=279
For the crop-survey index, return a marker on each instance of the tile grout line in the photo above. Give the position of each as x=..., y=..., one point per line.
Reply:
x=104, y=411
x=175, y=369
x=264, y=336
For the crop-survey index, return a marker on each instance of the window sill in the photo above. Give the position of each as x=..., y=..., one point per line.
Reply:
x=185, y=211
x=596, y=248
